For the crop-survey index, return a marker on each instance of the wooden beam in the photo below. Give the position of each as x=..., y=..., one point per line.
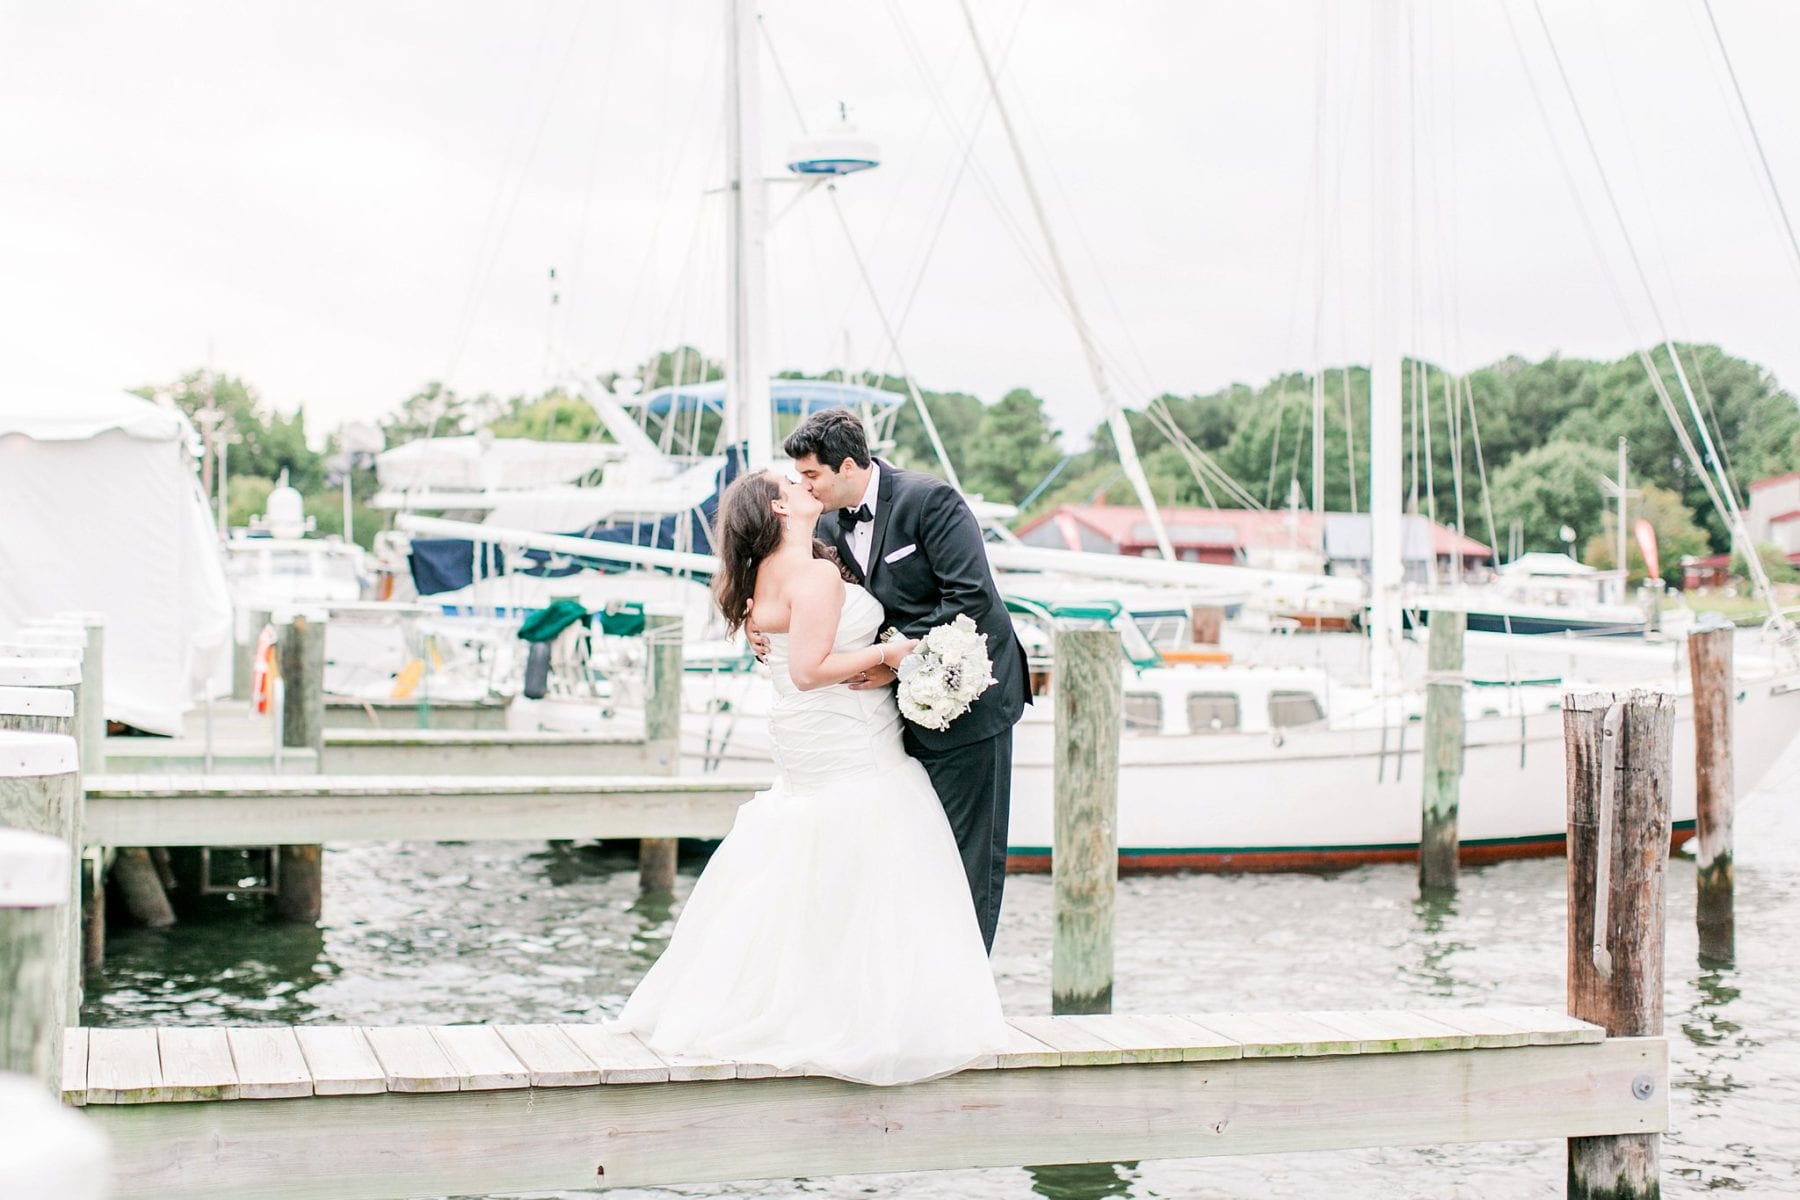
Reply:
x=263, y=810
x=652, y=1134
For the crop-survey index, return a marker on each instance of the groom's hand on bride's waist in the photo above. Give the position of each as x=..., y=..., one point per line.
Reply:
x=878, y=677
x=759, y=641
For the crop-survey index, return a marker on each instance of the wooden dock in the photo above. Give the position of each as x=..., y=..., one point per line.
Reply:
x=262, y=810
x=395, y=752
x=347, y=1112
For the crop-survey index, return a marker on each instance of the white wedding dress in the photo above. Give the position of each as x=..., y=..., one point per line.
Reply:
x=832, y=931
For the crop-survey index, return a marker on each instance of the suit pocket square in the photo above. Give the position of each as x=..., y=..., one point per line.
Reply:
x=899, y=554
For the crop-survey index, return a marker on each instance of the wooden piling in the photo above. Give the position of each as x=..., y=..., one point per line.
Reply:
x=1084, y=863
x=34, y=895
x=300, y=654
x=662, y=736
x=1710, y=664
x=85, y=633
x=1618, y=750
x=40, y=785
x=1443, y=757
x=36, y=710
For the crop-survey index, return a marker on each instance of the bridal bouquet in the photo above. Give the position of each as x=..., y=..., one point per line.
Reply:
x=943, y=676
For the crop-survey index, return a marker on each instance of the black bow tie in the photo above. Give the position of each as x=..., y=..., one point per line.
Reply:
x=849, y=518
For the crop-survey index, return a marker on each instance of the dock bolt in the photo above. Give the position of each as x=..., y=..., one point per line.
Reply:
x=1643, y=1087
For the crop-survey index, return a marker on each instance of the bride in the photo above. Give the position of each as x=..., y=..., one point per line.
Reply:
x=832, y=931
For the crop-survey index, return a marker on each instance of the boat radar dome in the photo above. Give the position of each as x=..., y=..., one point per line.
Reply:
x=839, y=152
x=285, y=515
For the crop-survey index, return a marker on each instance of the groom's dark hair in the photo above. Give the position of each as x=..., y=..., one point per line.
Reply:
x=830, y=435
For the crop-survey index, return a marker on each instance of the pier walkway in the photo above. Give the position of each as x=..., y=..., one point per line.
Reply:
x=347, y=1112
x=261, y=810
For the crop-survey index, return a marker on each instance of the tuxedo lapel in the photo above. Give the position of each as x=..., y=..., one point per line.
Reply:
x=841, y=544
x=884, y=513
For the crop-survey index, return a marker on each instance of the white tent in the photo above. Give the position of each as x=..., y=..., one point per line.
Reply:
x=101, y=511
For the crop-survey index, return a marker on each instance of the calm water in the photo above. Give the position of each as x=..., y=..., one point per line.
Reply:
x=504, y=932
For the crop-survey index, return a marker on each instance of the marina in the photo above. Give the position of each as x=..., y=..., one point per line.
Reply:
x=1380, y=779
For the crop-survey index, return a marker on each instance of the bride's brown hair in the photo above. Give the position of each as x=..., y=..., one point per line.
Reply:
x=748, y=530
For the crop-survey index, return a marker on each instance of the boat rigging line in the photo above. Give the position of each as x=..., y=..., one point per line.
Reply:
x=1115, y=415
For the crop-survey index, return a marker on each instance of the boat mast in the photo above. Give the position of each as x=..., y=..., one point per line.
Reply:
x=748, y=416
x=1385, y=570
x=1115, y=414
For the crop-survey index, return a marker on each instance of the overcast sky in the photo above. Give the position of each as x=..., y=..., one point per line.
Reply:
x=341, y=201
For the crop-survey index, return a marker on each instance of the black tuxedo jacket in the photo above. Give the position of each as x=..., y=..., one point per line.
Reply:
x=927, y=563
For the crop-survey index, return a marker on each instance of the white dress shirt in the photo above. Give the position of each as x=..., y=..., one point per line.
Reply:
x=862, y=537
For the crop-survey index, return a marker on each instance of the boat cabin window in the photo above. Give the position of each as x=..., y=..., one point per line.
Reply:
x=1143, y=711
x=1212, y=712
x=1294, y=708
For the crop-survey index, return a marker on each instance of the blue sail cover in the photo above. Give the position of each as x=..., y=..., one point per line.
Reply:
x=449, y=564
x=790, y=397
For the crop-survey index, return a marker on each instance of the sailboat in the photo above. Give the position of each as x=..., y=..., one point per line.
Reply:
x=1222, y=766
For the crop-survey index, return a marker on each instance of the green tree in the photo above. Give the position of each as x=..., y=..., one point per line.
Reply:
x=1775, y=564
x=1676, y=535
x=1013, y=450
x=261, y=442
x=436, y=411
x=1554, y=485
x=555, y=416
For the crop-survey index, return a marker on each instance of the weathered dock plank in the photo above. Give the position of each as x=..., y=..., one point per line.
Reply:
x=197, y=1064
x=482, y=1060
x=484, y=752
x=412, y=1059
x=341, y=1062
x=270, y=1065
x=124, y=1067
x=552, y=1059
x=212, y=810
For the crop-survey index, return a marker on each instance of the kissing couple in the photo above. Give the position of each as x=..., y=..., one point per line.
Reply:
x=843, y=926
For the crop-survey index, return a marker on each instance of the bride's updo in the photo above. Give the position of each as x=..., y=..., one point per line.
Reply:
x=747, y=530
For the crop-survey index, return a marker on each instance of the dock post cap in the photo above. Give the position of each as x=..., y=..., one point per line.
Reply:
x=34, y=871
x=39, y=672
x=36, y=701
x=285, y=614
x=26, y=754
x=86, y=618
x=49, y=1149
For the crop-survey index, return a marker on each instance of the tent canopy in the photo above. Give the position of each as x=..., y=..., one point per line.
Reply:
x=104, y=514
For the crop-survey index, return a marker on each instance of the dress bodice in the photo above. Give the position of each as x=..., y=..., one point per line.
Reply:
x=818, y=736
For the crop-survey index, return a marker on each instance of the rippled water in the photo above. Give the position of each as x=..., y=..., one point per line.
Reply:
x=508, y=932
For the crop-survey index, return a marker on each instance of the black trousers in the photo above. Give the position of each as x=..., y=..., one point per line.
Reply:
x=974, y=783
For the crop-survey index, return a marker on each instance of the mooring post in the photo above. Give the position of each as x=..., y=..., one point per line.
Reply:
x=36, y=710
x=1442, y=788
x=49, y=676
x=34, y=897
x=662, y=735
x=1084, y=856
x=300, y=655
x=39, y=963
x=91, y=627
x=1619, y=751
x=1709, y=662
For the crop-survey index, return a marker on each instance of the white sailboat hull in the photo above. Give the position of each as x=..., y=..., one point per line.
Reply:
x=1316, y=798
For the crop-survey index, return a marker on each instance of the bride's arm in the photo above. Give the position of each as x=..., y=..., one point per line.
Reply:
x=816, y=603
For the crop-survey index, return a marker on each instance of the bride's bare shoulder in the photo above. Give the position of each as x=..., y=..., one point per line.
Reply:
x=816, y=578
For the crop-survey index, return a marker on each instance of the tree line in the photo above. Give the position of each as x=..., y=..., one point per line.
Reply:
x=1542, y=435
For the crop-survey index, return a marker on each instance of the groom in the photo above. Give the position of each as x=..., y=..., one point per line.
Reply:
x=913, y=543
